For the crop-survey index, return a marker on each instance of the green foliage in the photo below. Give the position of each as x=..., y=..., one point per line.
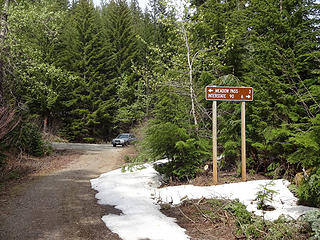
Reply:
x=120, y=32
x=273, y=170
x=308, y=192
x=83, y=50
x=254, y=227
x=94, y=72
x=130, y=106
x=239, y=210
x=283, y=229
x=258, y=44
x=308, y=144
x=27, y=138
x=265, y=196
x=313, y=218
x=168, y=137
x=187, y=161
x=248, y=225
x=162, y=139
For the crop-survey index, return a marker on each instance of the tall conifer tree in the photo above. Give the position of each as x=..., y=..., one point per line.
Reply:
x=122, y=36
x=85, y=53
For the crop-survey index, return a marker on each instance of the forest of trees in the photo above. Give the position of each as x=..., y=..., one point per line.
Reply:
x=86, y=73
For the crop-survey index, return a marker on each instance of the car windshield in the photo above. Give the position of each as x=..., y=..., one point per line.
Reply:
x=123, y=136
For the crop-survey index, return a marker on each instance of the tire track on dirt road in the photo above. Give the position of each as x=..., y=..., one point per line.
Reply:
x=62, y=205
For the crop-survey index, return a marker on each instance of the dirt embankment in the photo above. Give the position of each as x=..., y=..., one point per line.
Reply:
x=59, y=203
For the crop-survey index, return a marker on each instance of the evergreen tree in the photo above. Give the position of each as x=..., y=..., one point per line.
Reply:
x=120, y=32
x=158, y=11
x=282, y=37
x=85, y=53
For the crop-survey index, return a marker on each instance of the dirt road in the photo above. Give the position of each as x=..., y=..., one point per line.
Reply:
x=61, y=204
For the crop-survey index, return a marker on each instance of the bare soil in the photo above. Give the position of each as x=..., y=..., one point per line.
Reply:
x=206, y=179
x=56, y=201
x=201, y=221
x=210, y=220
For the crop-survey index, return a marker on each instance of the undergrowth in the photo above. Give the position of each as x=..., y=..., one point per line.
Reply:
x=251, y=226
x=313, y=220
x=308, y=192
x=232, y=216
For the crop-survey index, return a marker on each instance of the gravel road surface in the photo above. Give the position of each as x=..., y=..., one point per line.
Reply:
x=81, y=146
x=61, y=204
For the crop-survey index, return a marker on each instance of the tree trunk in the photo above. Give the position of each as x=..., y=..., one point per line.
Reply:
x=4, y=28
x=3, y=32
x=45, y=124
x=190, y=79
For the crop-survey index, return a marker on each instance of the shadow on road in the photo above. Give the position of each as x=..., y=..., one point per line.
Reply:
x=81, y=146
x=58, y=206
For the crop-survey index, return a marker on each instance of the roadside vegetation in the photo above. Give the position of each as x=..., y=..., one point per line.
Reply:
x=225, y=219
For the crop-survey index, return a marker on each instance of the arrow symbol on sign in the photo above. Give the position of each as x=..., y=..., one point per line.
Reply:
x=248, y=96
x=210, y=90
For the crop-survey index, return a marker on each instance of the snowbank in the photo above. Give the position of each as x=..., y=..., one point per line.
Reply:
x=131, y=193
x=136, y=194
x=284, y=202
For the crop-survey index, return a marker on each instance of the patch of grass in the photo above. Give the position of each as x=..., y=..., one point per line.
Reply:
x=127, y=159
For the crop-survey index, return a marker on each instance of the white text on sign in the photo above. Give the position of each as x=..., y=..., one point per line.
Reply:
x=229, y=93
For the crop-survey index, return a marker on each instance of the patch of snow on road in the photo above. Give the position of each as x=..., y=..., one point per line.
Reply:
x=131, y=193
x=136, y=194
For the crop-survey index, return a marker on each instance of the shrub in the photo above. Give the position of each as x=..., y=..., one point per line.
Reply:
x=265, y=196
x=187, y=160
x=240, y=211
x=308, y=191
x=255, y=227
x=27, y=138
x=162, y=138
x=247, y=224
x=313, y=218
x=168, y=140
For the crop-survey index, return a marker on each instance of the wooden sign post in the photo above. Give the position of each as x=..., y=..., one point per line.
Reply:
x=243, y=142
x=218, y=93
x=214, y=143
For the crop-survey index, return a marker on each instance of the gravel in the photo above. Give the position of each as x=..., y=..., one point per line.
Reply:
x=61, y=204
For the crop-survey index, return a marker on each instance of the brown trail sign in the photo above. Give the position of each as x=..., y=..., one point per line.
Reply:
x=218, y=93
x=229, y=93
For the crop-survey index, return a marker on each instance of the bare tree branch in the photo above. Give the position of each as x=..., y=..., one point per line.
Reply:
x=190, y=78
x=7, y=121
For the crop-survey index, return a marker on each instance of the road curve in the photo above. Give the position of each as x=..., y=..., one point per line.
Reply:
x=62, y=205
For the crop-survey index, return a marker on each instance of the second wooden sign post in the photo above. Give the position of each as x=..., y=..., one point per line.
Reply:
x=218, y=93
